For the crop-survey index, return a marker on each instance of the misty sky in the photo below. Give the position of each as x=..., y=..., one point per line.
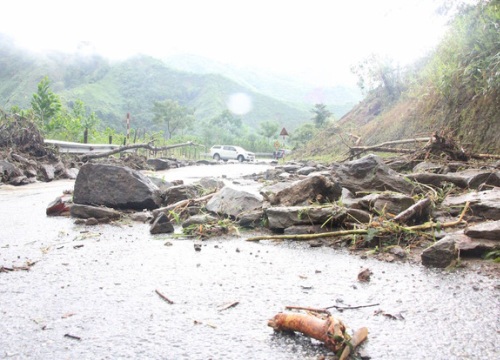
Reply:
x=316, y=40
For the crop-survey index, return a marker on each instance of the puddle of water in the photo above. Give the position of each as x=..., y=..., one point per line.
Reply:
x=104, y=293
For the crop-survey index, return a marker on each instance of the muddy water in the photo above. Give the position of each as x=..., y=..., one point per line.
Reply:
x=98, y=284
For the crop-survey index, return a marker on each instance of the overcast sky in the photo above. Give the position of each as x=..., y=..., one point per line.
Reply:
x=317, y=40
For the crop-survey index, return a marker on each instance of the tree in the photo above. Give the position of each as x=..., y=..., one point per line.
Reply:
x=227, y=128
x=174, y=116
x=268, y=129
x=303, y=134
x=374, y=72
x=45, y=104
x=321, y=115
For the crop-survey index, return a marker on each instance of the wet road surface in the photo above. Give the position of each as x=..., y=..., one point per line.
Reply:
x=98, y=284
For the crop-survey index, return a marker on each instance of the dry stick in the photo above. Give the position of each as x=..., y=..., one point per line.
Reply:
x=426, y=226
x=324, y=311
x=309, y=236
x=350, y=307
x=164, y=297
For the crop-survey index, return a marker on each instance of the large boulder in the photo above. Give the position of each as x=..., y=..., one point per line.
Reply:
x=315, y=188
x=370, y=173
x=115, y=187
x=233, y=202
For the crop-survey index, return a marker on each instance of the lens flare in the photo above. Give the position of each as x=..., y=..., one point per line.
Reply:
x=239, y=103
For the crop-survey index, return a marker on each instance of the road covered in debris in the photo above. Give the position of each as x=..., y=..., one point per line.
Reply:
x=116, y=291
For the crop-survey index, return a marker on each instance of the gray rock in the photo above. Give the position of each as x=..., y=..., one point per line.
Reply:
x=177, y=193
x=392, y=203
x=357, y=215
x=487, y=230
x=48, y=172
x=442, y=254
x=290, y=168
x=9, y=171
x=71, y=173
x=398, y=251
x=304, y=230
x=233, y=202
x=141, y=216
x=161, y=164
x=282, y=217
x=162, y=184
x=371, y=174
x=251, y=219
x=311, y=189
x=199, y=220
x=115, y=187
x=98, y=212
x=306, y=170
x=474, y=247
x=485, y=204
x=161, y=225
x=210, y=183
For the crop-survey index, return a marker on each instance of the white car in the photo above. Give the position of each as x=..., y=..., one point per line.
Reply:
x=231, y=152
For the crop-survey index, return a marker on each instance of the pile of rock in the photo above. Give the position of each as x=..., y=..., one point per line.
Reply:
x=309, y=198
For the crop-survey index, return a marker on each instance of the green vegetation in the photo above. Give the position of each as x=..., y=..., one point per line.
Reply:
x=454, y=91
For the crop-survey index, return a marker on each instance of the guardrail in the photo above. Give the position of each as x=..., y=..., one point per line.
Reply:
x=78, y=148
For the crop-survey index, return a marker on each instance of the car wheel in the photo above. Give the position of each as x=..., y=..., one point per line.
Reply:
x=241, y=158
x=216, y=157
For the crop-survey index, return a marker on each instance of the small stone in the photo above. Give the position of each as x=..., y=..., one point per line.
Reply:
x=91, y=221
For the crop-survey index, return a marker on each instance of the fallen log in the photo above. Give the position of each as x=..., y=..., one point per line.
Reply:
x=147, y=146
x=355, y=151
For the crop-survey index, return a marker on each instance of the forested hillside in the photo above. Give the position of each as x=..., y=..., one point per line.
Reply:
x=113, y=89
x=455, y=92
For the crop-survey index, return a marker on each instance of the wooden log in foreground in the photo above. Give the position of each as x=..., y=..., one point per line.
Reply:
x=330, y=331
x=327, y=329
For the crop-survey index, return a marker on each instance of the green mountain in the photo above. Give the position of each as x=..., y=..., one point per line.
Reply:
x=113, y=89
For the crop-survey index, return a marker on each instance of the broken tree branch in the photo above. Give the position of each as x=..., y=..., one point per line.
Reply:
x=147, y=146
